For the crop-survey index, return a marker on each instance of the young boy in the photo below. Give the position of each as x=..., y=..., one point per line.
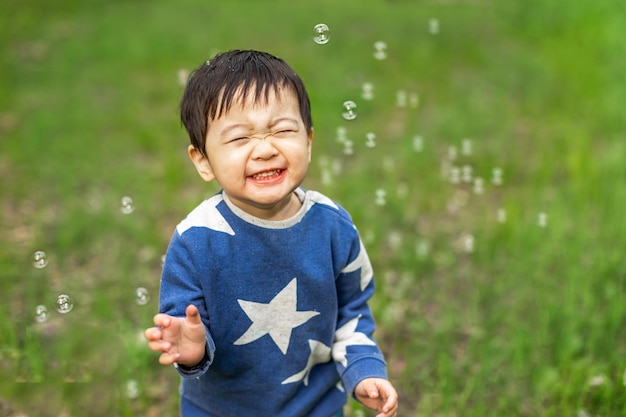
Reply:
x=265, y=285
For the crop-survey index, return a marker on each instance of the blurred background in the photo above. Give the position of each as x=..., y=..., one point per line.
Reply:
x=483, y=165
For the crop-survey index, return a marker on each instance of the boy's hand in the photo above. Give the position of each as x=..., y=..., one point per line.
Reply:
x=180, y=339
x=378, y=394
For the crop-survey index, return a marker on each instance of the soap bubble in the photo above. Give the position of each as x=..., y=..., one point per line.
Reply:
x=367, y=91
x=349, y=108
x=348, y=147
x=414, y=100
x=433, y=26
x=452, y=153
x=496, y=178
x=327, y=177
x=94, y=201
x=342, y=134
x=401, y=99
x=542, y=219
x=466, y=147
x=468, y=243
x=326, y=173
x=337, y=166
x=467, y=173
x=132, y=389
x=370, y=139
x=418, y=143
x=183, y=75
x=64, y=304
x=321, y=34
x=380, y=197
x=501, y=215
x=380, y=50
x=394, y=239
x=142, y=296
x=128, y=206
x=478, y=186
x=41, y=313
x=455, y=175
x=40, y=259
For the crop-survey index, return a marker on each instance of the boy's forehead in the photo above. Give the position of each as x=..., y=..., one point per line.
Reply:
x=253, y=98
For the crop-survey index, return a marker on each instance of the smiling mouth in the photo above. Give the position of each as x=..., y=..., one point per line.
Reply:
x=267, y=174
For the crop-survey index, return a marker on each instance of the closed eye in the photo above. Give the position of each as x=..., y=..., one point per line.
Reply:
x=242, y=138
x=284, y=133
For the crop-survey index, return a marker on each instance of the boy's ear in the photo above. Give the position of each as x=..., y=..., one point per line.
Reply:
x=201, y=163
x=310, y=142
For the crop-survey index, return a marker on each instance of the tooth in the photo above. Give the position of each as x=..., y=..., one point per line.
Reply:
x=266, y=174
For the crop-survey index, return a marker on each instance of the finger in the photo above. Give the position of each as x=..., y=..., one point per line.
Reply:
x=392, y=411
x=168, y=359
x=193, y=315
x=389, y=413
x=391, y=398
x=162, y=320
x=159, y=346
x=152, y=333
x=391, y=405
x=372, y=390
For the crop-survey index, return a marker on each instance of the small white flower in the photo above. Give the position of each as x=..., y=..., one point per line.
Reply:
x=597, y=380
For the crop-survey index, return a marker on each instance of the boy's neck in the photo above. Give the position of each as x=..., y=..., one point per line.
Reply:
x=278, y=212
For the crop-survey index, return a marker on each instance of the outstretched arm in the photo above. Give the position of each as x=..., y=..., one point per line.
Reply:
x=180, y=340
x=378, y=394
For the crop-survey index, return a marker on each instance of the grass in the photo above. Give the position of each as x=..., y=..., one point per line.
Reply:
x=477, y=317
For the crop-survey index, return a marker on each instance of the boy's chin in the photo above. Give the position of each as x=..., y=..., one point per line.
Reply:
x=268, y=205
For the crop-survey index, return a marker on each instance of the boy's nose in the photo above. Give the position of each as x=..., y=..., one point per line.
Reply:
x=264, y=148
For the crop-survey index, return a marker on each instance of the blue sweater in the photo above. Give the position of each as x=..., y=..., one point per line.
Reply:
x=289, y=331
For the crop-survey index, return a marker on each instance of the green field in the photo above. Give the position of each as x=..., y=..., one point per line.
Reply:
x=492, y=202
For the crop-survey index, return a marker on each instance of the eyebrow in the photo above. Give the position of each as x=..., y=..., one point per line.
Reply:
x=232, y=127
x=282, y=119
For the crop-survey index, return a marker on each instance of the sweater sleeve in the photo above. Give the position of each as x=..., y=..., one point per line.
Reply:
x=356, y=354
x=180, y=286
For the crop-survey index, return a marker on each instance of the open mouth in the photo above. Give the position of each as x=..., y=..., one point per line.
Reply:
x=267, y=175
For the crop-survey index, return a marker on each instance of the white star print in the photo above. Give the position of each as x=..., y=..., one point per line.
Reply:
x=346, y=336
x=206, y=215
x=362, y=261
x=277, y=318
x=318, y=198
x=320, y=353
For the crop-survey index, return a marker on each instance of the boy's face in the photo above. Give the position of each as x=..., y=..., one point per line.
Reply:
x=259, y=153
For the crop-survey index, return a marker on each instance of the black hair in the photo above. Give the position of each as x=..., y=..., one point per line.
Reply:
x=212, y=87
